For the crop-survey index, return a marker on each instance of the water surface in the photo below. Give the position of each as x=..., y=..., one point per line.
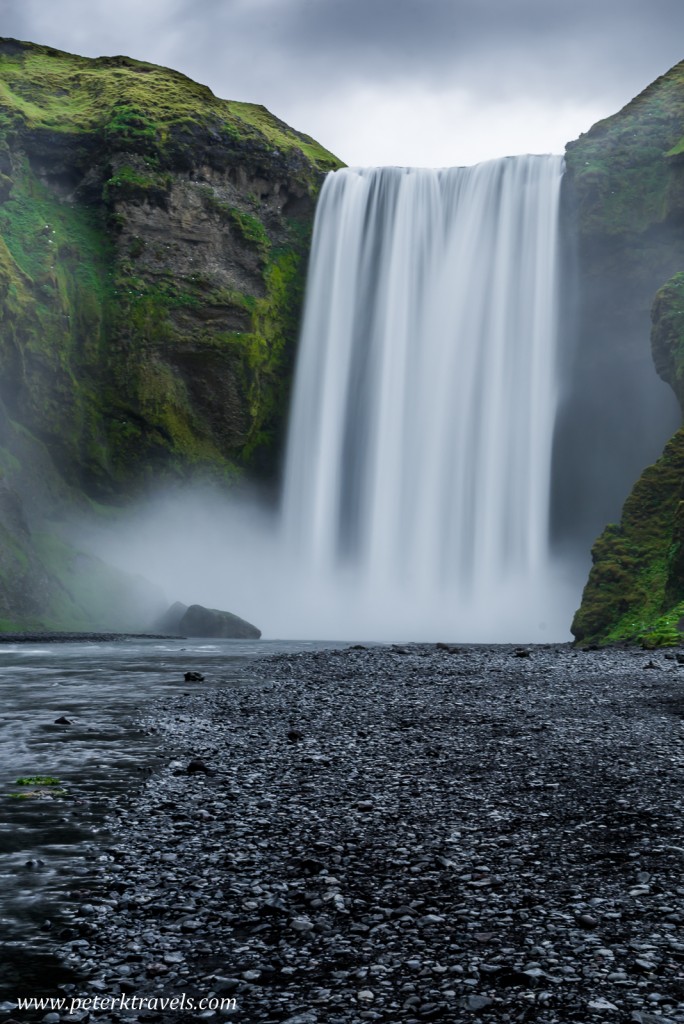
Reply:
x=51, y=836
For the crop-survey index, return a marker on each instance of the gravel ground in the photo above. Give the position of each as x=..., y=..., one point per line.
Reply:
x=404, y=834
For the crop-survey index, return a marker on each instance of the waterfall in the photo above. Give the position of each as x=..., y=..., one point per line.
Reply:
x=418, y=464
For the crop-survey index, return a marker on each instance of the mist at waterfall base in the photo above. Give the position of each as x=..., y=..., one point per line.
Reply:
x=201, y=547
x=417, y=480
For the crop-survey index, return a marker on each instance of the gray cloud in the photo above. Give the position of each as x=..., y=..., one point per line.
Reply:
x=498, y=45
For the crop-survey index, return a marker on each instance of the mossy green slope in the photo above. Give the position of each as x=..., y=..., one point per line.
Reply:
x=153, y=246
x=134, y=106
x=635, y=590
x=626, y=168
x=155, y=239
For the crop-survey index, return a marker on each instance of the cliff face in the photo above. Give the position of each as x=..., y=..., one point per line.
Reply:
x=153, y=242
x=624, y=213
x=627, y=181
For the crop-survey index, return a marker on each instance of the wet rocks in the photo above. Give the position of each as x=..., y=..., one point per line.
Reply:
x=451, y=836
x=211, y=622
x=198, y=621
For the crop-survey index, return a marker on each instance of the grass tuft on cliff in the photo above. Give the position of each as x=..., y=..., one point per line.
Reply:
x=132, y=105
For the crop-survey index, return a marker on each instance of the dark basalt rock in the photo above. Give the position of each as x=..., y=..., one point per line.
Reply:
x=211, y=622
x=521, y=876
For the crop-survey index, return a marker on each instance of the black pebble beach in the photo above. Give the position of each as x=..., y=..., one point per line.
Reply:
x=404, y=834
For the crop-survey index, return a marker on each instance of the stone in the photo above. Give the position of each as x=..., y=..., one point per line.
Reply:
x=475, y=1003
x=302, y=924
x=272, y=862
x=198, y=621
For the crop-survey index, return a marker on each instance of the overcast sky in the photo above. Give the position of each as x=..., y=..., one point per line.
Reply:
x=415, y=82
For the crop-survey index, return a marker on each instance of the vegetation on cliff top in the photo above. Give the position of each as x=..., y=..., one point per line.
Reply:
x=132, y=105
x=626, y=168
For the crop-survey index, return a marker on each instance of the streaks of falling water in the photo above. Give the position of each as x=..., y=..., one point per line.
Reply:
x=419, y=452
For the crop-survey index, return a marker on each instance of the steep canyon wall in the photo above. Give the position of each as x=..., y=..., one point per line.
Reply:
x=625, y=199
x=153, y=244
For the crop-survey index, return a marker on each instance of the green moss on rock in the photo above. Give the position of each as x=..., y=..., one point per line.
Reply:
x=153, y=244
x=147, y=226
x=626, y=168
x=132, y=106
x=635, y=589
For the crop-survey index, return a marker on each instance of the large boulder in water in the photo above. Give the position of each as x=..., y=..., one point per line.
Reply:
x=210, y=622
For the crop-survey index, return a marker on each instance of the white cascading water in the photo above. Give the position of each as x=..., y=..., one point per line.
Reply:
x=416, y=493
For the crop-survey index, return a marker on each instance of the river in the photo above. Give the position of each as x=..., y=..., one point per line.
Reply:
x=52, y=833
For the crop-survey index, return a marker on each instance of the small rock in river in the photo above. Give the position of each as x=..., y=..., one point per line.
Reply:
x=193, y=677
x=294, y=735
x=63, y=720
x=197, y=767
